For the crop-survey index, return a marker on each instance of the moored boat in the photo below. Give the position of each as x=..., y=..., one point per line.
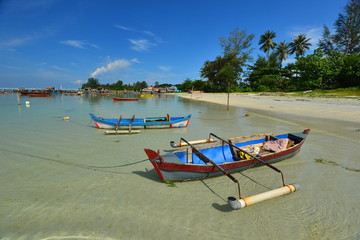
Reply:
x=34, y=93
x=39, y=94
x=212, y=158
x=146, y=95
x=140, y=123
x=125, y=99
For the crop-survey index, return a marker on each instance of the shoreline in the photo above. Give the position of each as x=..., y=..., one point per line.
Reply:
x=343, y=109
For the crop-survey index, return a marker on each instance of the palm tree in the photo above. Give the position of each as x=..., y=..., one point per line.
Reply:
x=299, y=45
x=267, y=42
x=282, y=51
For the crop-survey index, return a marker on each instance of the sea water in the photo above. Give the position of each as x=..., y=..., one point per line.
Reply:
x=66, y=179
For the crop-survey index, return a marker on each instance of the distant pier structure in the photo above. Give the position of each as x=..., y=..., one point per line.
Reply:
x=6, y=90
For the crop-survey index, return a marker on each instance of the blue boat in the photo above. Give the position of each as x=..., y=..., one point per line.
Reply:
x=140, y=123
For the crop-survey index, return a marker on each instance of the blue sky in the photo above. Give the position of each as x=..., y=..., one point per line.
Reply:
x=52, y=42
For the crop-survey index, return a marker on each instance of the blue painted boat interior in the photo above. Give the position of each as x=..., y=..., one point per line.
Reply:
x=220, y=154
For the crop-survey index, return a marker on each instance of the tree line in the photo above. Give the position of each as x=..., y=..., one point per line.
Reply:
x=335, y=63
x=94, y=83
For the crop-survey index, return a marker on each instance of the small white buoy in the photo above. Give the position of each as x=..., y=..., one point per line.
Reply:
x=27, y=103
x=66, y=118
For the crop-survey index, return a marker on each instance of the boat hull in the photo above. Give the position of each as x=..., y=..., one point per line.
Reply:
x=141, y=123
x=170, y=168
x=125, y=99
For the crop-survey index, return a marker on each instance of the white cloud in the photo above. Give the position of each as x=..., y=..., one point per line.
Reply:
x=117, y=64
x=74, y=43
x=78, y=44
x=124, y=28
x=16, y=42
x=141, y=45
x=165, y=68
x=135, y=60
x=60, y=69
x=79, y=82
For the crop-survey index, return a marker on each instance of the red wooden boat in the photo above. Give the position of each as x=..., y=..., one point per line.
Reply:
x=39, y=94
x=212, y=158
x=125, y=99
x=32, y=93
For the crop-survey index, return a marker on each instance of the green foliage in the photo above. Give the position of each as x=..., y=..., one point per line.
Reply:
x=92, y=83
x=267, y=75
x=326, y=43
x=116, y=86
x=347, y=36
x=238, y=42
x=349, y=74
x=139, y=85
x=282, y=51
x=186, y=86
x=299, y=45
x=196, y=85
x=222, y=71
x=267, y=42
x=309, y=71
x=227, y=69
x=326, y=71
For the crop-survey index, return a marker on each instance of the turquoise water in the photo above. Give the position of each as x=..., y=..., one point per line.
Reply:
x=67, y=180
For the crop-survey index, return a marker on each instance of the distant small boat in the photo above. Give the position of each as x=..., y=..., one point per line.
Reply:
x=125, y=99
x=39, y=94
x=34, y=93
x=146, y=95
x=138, y=123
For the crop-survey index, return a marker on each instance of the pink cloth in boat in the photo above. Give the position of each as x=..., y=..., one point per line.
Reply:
x=277, y=145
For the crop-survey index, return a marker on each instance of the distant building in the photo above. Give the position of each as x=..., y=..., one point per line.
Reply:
x=173, y=89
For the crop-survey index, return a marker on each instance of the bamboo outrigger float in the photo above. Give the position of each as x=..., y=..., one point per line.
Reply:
x=213, y=158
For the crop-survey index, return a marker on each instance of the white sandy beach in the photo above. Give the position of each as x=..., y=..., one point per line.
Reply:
x=344, y=109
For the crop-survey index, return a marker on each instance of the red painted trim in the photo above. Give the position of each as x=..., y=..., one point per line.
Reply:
x=96, y=124
x=152, y=155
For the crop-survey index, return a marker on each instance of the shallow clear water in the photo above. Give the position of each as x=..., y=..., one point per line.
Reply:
x=67, y=180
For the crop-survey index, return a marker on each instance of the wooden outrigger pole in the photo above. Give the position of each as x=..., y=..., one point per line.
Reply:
x=244, y=202
x=117, y=131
